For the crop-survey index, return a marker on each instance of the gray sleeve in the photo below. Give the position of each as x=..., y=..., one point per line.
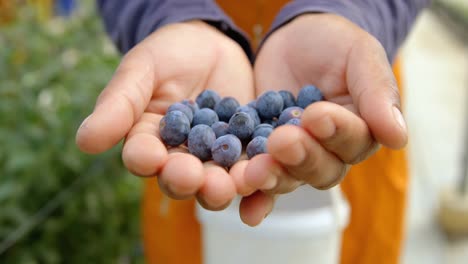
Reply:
x=130, y=21
x=387, y=20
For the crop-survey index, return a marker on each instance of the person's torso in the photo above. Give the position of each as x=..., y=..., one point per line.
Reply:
x=254, y=17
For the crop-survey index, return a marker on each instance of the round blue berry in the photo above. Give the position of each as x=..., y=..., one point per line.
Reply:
x=288, y=99
x=290, y=113
x=226, y=108
x=256, y=146
x=294, y=121
x=241, y=125
x=263, y=130
x=174, y=128
x=269, y=105
x=307, y=95
x=252, y=113
x=220, y=128
x=226, y=150
x=205, y=116
x=183, y=108
x=207, y=99
x=192, y=104
x=273, y=122
x=253, y=104
x=200, y=140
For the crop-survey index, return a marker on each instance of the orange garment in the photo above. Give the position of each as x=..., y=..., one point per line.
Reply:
x=376, y=190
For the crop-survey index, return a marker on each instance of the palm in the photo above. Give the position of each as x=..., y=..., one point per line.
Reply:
x=297, y=57
x=351, y=69
x=198, y=60
x=174, y=63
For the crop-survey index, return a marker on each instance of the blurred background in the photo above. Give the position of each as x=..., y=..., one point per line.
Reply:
x=58, y=205
x=435, y=60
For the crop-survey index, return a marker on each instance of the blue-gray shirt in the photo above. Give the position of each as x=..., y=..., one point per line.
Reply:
x=130, y=21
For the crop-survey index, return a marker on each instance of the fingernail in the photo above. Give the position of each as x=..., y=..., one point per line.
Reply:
x=270, y=182
x=296, y=155
x=325, y=128
x=399, y=118
x=84, y=124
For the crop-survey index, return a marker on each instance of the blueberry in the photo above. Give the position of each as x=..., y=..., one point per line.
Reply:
x=200, y=141
x=288, y=99
x=207, y=99
x=273, y=122
x=174, y=128
x=269, y=105
x=307, y=95
x=253, y=104
x=263, y=130
x=192, y=104
x=241, y=125
x=256, y=146
x=220, y=128
x=226, y=150
x=294, y=121
x=290, y=113
x=183, y=108
x=226, y=108
x=252, y=113
x=205, y=116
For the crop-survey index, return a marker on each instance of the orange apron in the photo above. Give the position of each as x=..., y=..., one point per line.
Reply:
x=376, y=190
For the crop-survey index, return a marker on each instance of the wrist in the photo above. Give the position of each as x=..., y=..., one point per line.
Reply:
x=224, y=29
x=298, y=8
x=319, y=24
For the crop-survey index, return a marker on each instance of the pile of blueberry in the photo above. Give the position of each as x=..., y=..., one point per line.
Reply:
x=216, y=128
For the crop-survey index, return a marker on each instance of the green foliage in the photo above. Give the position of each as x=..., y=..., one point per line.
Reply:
x=50, y=76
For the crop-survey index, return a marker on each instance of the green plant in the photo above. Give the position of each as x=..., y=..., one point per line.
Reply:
x=50, y=76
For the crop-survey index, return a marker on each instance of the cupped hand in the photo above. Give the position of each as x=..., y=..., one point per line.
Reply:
x=174, y=63
x=361, y=111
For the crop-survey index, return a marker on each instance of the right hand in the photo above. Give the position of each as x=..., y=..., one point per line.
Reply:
x=362, y=108
x=176, y=62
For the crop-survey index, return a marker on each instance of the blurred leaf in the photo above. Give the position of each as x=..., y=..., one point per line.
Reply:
x=50, y=76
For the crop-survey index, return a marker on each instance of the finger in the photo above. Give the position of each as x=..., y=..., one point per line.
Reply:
x=304, y=158
x=144, y=153
x=339, y=131
x=256, y=207
x=182, y=175
x=374, y=91
x=237, y=173
x=120, y=104
x=218, y=189
x=266, y=174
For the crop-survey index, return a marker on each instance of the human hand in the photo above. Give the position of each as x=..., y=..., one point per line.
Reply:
x=361, y=111
x=176, y=62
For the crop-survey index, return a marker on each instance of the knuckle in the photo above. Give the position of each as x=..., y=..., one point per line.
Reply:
x=283, y=188
x=333, y=181
x=364, y=153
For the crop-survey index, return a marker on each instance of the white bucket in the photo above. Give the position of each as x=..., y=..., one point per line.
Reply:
x=304, y=227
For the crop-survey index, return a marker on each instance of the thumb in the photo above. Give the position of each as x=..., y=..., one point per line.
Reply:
x=375, y=93
x=119, y=105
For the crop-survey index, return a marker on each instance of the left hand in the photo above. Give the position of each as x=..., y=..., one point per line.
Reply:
x=362, y=109
x=175, y=62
